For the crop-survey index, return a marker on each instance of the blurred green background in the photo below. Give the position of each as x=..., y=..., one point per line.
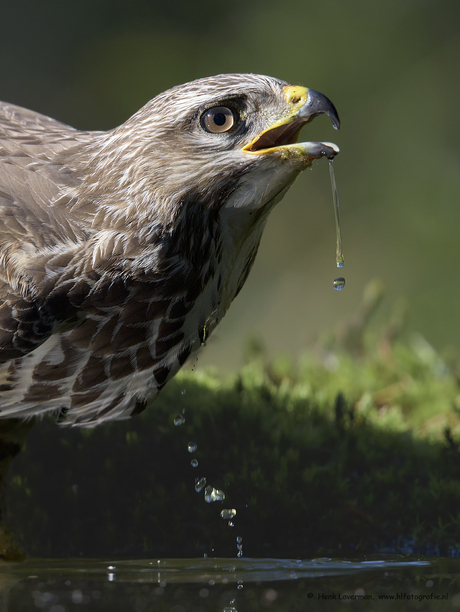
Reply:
x=392, y=70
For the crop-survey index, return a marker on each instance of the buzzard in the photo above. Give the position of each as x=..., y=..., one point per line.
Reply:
x=120, y=251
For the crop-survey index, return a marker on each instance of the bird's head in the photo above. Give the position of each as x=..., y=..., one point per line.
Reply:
x=228, y=141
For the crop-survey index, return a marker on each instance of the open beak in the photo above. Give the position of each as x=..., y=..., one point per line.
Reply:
x=306, y=104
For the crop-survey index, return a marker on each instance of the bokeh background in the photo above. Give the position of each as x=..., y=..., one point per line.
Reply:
x=392, y=70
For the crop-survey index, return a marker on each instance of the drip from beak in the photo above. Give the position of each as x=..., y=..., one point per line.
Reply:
x=319, y=149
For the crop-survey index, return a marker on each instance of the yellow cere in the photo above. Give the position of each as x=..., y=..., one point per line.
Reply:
x=296, y=94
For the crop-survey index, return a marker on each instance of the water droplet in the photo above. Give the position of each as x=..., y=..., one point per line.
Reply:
x=200, y=483
x=339, y=283
x=240, y=584
x=230, y=609
x=338, y=241
x=212, y=495
x=231, y=524
x=192, y=446
x=239, y=546
x=228, y=513
x=194, y=463
x=183, y=392
x=233, y=601
x=179, y=420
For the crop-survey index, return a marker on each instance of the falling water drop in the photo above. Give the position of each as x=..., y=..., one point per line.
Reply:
x=192, y=446
x=339, y=283
x=239, y=546
x=228, y=513
x=200, y=483
x=338, y=245
x=212, y=495
x=194, y=463
x=179, y=420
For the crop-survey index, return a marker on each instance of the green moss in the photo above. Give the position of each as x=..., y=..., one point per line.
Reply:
x=356, y=446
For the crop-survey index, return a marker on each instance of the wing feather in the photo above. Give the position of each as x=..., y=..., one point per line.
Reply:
x=34, y=177
x=35, y=181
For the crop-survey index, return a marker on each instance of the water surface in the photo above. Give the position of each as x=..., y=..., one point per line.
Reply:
x=240, y=584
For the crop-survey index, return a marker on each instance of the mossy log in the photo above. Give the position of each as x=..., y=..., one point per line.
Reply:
x=337, y=452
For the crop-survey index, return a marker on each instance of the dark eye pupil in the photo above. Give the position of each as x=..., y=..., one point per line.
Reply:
x=220, y=119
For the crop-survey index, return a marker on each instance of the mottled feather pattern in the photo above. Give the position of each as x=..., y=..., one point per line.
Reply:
x=121, y=250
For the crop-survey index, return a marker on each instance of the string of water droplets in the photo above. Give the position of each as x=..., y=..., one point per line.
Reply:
x=339, y=283
x=211, y=494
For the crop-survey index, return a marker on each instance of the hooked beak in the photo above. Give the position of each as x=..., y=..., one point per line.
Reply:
x=317, y=104
x=306, y=104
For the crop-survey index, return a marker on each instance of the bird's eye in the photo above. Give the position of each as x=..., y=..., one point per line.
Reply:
x=218, y=119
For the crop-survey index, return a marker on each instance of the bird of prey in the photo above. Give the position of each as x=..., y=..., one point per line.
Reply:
x=120, y=251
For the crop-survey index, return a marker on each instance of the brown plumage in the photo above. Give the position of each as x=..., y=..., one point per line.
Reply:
x=121, y=250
